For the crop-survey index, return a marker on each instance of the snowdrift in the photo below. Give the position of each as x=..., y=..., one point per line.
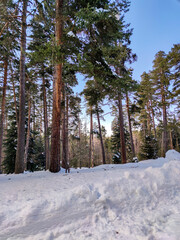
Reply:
x=135, y=201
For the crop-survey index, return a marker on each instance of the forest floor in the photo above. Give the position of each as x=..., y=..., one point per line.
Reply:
x=135, y=201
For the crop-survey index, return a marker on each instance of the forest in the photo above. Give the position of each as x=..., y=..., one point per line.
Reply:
x=44, y=46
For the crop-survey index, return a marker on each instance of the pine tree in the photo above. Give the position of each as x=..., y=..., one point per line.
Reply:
x=149, y=149
x=161, y=76
x=10, y=145
x=94, y=95
x=174, y=63
x=8, y=45
x=19, y=166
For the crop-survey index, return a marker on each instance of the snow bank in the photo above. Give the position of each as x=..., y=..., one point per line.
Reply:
x=173, y=155
x=135, y=201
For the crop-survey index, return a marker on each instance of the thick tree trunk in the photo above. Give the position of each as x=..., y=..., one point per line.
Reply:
x=19, y=164
x=46, y=136
x=28, y=134
x=121, y=126
x=3, y=109
x=56, y=116
x=91, y=147
x=101, y=139
x=129, y=123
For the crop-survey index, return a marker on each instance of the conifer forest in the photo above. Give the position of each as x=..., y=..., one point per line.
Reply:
x=50, y=47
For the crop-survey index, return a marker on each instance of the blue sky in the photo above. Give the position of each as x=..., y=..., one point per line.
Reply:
x=156, y=25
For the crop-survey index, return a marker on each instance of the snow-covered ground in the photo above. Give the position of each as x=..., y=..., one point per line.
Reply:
x=135, y=201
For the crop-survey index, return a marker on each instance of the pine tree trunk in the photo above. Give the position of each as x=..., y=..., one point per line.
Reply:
x=91, y=152
x=164, y=136
x=64, y=131
x=56, y=116
x=15, y=103
x=34, y=120
x=148, y=118
x=28, y=134
x=3, y=109
x=80, y=161
x=177, y=143
x=152, y=112
x=46, y=137
x=121, y=126
x=129, y=123
x=101, y=139
x=171, y=139
x=19, y=163
x=66, y=128
x=64, y=134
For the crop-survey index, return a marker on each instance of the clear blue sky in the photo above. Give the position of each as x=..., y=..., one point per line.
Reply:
x=156, y=25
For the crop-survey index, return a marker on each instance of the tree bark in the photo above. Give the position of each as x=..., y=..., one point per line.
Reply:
x=28, y=134
x=177, y=143
x=15, y=103
x=101, y=139
x=152, y=112
x=129, y=123
x=3, y=109
x=19, y=163
x=148, y=118
x=64, y=131
x=121, y=126
x=80, y=160
x=91, y=152
x=46, y=136
x=56, y=116
x=66, y=128
x=171, y=139
x=164, y=136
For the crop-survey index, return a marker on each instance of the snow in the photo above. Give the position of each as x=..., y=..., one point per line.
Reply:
x=172, y=155
x=134, y=201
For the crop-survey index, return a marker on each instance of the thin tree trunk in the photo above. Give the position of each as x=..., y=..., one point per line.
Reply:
x=101, y=139
x=46, y=136
x=177, y=143
x=64, y=130
x=28, y=134
x=91, y=152
x=152, y=112
x=19, y=164
x=164, y=138
x=3, y=109
x=15, y=103
x=171, y=139
x=130, y=127
x=121, y=126
x=80, y=162
x=67, y=125
x=41, y=107
x=56, y=116
x=34, y=120
x=148, y=118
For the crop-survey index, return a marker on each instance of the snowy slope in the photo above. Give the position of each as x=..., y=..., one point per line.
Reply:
x=128, y=202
